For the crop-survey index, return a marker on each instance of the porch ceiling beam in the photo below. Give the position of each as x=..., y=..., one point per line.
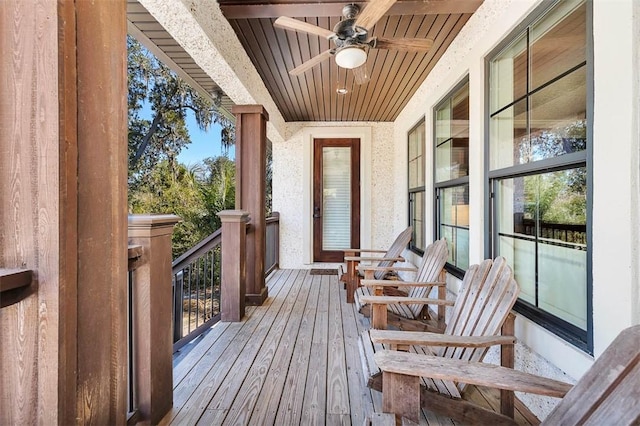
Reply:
x=234, y=9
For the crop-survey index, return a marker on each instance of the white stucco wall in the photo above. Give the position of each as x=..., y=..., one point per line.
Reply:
x=616, y=300
x=292, y=186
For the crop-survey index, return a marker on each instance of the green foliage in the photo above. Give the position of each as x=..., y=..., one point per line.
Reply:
x=557, y=197
x=194, y=193
x=163, y=136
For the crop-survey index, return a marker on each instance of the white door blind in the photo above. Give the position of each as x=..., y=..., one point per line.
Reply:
x=336, y=193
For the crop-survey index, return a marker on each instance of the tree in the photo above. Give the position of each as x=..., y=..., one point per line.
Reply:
x=175, y=190
x=169, y=98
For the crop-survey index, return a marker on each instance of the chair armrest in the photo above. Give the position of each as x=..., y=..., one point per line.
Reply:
x=390, y=283
x=364, y=251
x=421, y=338
x=474, y=373
x=363, y=268
x=401, y=300
x=371, y=258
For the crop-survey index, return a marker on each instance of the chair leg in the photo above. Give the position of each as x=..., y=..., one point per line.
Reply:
x=401, y=395
x=507, y=359
x=351, y=281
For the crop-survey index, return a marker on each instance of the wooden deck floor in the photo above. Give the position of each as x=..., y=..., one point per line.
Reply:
x=292, y=361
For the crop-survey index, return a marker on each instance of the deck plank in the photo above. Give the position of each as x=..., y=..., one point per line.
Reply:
x=275, y=348
x=315, y=393
x=359, y=394
x=266, y=405
x=249, y=362
x=337, y=387
x=191, y=401
x=289, y=408
x=294, y=360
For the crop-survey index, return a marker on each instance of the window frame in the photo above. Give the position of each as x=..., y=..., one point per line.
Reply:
x=451, y=183
x=416, y=190
x=583, y=340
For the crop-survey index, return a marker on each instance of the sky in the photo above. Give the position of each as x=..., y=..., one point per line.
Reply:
x=203, y=144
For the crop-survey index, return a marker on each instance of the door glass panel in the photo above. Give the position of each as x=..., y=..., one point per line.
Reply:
x=336, y=194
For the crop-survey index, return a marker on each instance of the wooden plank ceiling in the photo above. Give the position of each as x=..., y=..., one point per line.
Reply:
x=393, y=75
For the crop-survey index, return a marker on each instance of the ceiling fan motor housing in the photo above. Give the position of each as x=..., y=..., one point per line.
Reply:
x=346, y=33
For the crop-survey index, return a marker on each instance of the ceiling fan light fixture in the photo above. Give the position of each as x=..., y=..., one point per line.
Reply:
x=351, y=57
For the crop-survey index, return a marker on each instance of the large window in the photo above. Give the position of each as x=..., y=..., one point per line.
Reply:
x=452, y=176
x=538, y=168
x=416, y=187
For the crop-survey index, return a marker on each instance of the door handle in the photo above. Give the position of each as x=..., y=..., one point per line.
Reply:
x=316, y=213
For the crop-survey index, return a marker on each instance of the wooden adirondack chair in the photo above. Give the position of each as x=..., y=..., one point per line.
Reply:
x=351, y=277
x=482, y=311
x=406, y=311
x=608, y=393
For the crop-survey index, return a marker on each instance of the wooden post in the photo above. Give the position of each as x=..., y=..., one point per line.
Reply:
x=507, y=359
x=63, y=210
x=442, y=295
x=251, y=148
x=234, y=262
x=152, y=311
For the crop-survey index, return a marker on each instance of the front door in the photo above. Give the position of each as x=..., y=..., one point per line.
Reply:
x=336, y=198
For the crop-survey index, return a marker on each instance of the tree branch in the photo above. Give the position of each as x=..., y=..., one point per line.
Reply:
x=147, y=138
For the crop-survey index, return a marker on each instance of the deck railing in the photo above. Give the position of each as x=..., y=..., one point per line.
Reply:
x=190, y=305
x=196, y=289
x=271, y=258
x=197, y=280
x=134, y=262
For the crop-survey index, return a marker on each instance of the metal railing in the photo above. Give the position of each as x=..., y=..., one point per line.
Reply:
x=196, y=289
x=272, y=255
x=197, y=280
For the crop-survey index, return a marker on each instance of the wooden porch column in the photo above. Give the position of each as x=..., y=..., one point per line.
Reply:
x=63, y=210
x=251, y=149
x=152, y=314
x=234, y=262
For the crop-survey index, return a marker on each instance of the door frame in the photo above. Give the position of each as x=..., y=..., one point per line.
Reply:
x=364, y=133
x=354, y=191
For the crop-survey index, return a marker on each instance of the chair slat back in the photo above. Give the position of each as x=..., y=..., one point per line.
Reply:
x=433, y=260
x=482, y=306
x=402, y=240
x=609, y=391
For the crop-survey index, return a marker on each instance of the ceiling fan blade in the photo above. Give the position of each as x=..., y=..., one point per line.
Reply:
x=311, y=62
x=361, y=74
x=413, y=44
x=287, y=23
x=374, y=10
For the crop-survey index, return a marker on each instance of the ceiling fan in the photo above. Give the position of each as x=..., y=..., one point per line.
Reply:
x=351, y=38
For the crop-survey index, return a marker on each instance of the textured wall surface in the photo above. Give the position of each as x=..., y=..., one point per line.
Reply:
x=290, y=177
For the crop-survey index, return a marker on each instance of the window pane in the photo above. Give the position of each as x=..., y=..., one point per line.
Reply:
x=416, y=219
x=452, y=136
x=443, y=122
x=558, y=118
x=558, y=42
x=508, y=71
x=454, y=223
x=509, y=137
x=416, y=157
x=336, y=193
x=541, y=224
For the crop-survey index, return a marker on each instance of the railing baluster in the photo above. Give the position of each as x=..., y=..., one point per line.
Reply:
x=202, y=284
